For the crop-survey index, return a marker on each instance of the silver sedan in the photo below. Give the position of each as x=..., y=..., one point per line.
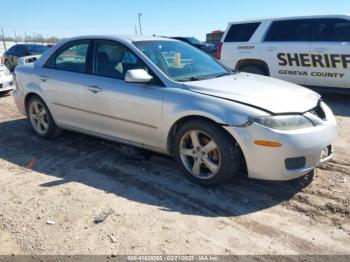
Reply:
x=166, y=96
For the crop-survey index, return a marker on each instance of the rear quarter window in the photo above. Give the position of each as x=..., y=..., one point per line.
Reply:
x=333, y=30
x=290, y=31
x=241, y=32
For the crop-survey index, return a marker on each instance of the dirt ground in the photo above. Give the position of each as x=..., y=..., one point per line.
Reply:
x=82, y=195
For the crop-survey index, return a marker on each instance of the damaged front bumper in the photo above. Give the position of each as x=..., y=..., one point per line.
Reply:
x=300, y=151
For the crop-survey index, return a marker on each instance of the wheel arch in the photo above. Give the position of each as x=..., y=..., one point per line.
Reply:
x=253, y=62
x=27, y=98
x=185, y=119
x=175, y=126
x=30, y=95
x=53, y=130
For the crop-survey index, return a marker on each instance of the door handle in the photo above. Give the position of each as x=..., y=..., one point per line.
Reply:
x=43, y=78
x=320, y=50
x=271, y=48
x=94, y=89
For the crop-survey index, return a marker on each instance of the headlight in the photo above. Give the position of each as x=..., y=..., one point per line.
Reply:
x=291, y=122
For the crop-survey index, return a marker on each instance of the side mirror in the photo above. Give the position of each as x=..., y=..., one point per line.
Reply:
x=137, y=76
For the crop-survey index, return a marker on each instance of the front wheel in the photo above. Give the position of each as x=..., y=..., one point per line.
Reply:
x=206, y=154
x=41, y=119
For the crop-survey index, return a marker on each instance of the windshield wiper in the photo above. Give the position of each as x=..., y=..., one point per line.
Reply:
x=193, y=78
x=221, y=75
x=189, y=79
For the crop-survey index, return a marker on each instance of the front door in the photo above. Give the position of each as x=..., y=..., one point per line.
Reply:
x=128, y=111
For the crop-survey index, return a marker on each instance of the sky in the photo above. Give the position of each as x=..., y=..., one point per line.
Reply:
x=66, y=18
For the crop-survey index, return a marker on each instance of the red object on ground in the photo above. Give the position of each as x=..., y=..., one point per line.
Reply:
x=31, y=163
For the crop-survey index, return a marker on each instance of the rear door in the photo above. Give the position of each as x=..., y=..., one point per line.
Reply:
x=331, y=50
x=286, y=49
x=64, y=78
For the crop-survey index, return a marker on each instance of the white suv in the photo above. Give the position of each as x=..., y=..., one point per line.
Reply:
x=312, y=51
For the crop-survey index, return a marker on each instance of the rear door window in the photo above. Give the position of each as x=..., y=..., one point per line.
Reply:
x=241, y=32
x=290, y=31
x=71, y=58
x=333, y=30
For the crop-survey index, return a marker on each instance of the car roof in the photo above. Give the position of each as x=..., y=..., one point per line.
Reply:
x=128, y=38
x=24, y=44
x=124, y=39
x=33, y=44
x=292, y=17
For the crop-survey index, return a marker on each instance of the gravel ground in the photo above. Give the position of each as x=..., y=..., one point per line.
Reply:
x=82, y=195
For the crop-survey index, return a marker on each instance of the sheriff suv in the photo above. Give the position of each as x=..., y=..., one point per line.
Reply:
x=312, y=51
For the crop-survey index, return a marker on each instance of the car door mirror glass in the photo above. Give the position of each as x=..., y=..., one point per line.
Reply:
x=138, y=76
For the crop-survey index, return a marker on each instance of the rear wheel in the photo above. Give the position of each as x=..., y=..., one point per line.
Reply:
x=206, y=154
x=254, y=70
x=41, y=119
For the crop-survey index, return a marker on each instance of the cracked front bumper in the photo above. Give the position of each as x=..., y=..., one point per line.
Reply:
x=269, y=163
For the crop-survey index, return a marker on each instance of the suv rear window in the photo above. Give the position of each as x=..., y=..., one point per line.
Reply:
x=290, y=30
x=333, y=30
x=241, y=32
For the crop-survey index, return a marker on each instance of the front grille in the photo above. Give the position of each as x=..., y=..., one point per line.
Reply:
x=295, y=163
x=318, y=111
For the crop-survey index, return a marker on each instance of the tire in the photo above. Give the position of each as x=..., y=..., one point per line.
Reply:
x=254, y=70
x=219, y=157
x=40, y=118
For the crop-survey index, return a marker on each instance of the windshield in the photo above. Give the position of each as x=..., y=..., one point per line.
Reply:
x=181, y=62
x=36, y=49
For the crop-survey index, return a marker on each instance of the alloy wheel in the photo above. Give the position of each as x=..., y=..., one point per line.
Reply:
x=200, y=154
x=39, y=117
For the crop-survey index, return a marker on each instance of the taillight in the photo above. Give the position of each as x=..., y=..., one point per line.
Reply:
x=219, y=50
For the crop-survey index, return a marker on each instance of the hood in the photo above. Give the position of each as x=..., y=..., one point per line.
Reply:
x=270, y=94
